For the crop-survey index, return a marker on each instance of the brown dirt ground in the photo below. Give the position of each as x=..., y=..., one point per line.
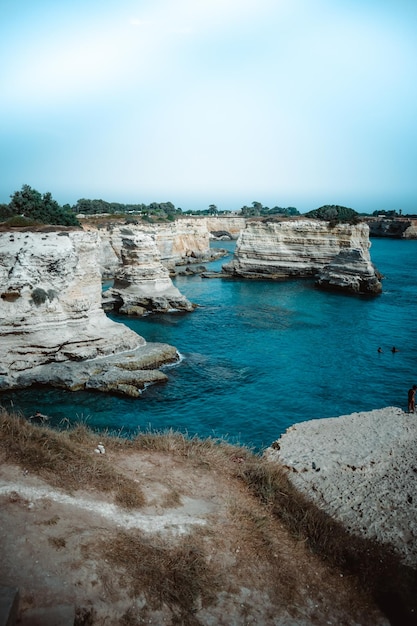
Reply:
x=61, y=548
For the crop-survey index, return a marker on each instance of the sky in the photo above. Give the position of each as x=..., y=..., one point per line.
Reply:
x=285, y=102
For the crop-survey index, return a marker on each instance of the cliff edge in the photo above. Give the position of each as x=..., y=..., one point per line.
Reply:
x=362, y=470
x=53, y=329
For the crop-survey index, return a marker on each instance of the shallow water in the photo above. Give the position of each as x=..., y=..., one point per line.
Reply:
x=259, y=356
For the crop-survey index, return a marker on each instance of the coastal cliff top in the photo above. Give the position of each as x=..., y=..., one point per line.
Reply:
x=362, y=469
x=37, y=228
x=164, y=528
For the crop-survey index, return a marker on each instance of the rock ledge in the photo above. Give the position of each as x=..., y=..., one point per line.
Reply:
x=362, y=470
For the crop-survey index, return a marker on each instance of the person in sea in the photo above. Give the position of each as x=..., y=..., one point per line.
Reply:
x=39, y=417
x=412, y=399
x=394, y=349
x=380, y=349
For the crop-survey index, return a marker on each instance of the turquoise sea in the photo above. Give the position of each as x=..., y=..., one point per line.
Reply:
x=258, y=356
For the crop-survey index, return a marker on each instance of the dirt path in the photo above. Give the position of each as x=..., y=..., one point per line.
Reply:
x=199, y=527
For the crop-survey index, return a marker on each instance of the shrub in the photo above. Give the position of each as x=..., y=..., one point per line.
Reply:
x=39, y=296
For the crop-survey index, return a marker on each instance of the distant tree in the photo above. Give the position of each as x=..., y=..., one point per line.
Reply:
x=277, y=210
x=254, y=210
x=161, y=210
x=31, y=204
x=5, y=211
x=334, y=213
x=291, y=210
x=213, y=209
x=257, y=208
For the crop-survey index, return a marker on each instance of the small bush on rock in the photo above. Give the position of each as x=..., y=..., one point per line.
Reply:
x=39, y=296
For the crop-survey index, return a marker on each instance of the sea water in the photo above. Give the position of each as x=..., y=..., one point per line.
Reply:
x=259, y=356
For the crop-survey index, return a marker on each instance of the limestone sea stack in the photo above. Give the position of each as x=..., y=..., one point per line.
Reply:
x=53, y=329
x=362, y=470
x=142, y=284
x=337, y=256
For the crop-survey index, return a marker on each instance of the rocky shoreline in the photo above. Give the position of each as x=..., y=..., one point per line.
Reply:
x=52, y=325
x=125, y=373
x=362, y=470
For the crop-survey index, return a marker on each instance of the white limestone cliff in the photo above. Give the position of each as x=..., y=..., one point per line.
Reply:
x=50, y=308
x=142, y=284
x=232, y=225
x=279, y=249
x=361, y=469
x=352, y=271
x=184, y=240
x=177, y=242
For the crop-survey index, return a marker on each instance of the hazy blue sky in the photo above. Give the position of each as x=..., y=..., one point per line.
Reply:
x=286, y=102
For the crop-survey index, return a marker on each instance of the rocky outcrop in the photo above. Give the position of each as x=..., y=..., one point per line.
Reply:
x=350, y=271
x=306, y=248
x=142, y=284
x=394, y=228
x=184, y=242
x=230, y=226
x=51, y=315
x=361, y=469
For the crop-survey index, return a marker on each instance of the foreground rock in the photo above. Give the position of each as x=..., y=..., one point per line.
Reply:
x=51, y=320
x=337, y=255
x=362, y=470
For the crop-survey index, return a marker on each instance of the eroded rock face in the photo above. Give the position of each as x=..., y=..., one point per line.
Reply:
x=351, y=271
x=397, y=228
x=304, y=248
x=50, y=307
x=185, y=241
x=142, y=284
x=232, y=225
x=360, y=468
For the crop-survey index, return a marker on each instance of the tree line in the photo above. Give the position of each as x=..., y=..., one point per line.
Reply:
x=29, y=206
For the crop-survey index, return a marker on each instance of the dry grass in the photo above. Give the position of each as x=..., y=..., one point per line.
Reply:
x=58, y=542
x=376, y=566
x=64, y=459
x=178, y=575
